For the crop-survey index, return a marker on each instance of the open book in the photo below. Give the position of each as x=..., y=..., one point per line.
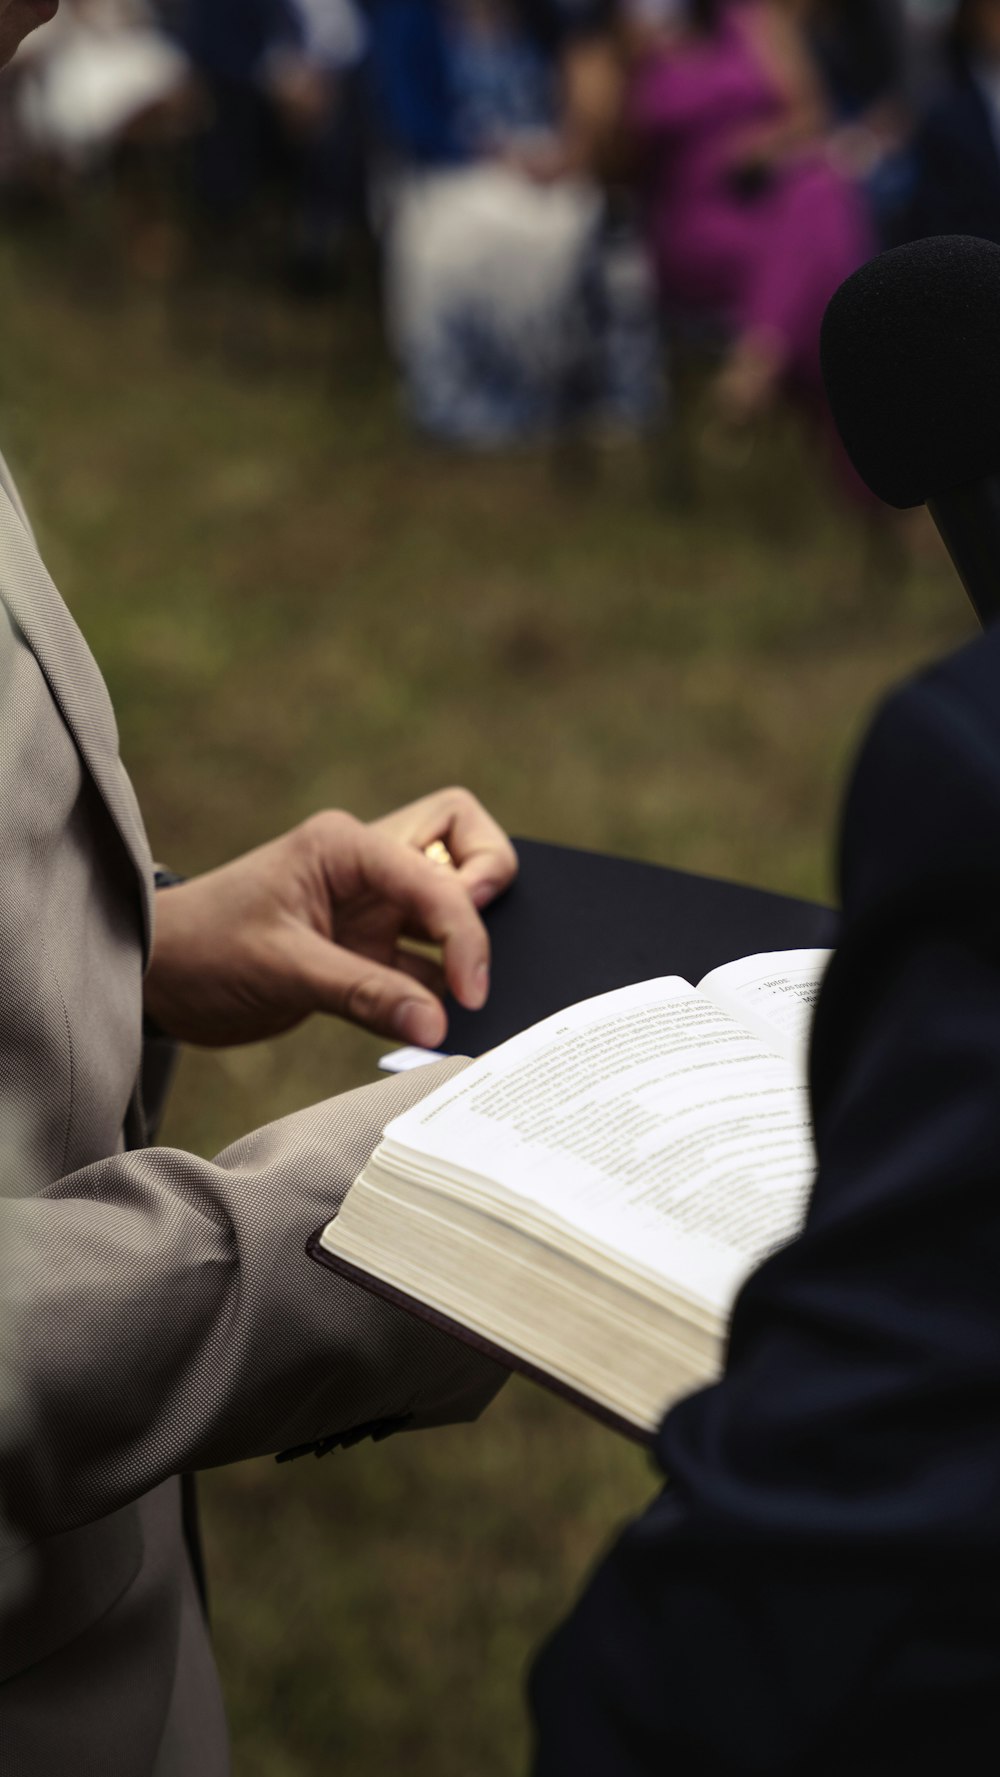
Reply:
x=585, y=1200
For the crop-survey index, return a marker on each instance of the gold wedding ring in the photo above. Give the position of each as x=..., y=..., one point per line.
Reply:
x=437, y=853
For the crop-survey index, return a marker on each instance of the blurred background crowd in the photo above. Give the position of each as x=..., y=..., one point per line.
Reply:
x=232, y=233
x=564, y=196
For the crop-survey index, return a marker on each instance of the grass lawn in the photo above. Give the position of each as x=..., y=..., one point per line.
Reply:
x=296, y=605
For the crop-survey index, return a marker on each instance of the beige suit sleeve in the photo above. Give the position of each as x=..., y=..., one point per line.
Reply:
x=165, y=1317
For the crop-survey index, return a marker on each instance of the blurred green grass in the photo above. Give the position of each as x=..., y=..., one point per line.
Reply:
x=296, y=605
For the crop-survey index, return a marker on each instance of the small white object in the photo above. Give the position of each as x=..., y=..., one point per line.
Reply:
x=400, y=1061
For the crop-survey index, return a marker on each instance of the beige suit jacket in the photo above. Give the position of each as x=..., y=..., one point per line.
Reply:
x=158, y=1312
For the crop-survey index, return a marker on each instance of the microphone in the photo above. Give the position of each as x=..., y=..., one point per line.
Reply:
x=911, y=361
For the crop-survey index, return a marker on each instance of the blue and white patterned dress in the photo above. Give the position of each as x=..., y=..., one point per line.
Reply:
x=498, y=305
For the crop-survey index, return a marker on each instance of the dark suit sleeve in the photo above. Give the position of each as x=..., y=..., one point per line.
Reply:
x=817, y=1589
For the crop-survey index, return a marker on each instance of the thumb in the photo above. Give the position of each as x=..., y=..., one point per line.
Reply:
x=380, y=999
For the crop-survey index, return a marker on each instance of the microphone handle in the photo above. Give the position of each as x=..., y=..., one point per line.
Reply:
x=968, y=519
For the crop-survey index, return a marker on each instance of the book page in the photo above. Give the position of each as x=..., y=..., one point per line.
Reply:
x=774, y=995
x=646, y=1122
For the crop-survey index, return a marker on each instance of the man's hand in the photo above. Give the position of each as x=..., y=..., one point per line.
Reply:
x=312, y=922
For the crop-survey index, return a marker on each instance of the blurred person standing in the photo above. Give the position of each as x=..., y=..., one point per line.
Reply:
x=280, y=76
x=495, y=118
x=751, y=221
x=860, y=47
x=315, y=87
x=958, y=143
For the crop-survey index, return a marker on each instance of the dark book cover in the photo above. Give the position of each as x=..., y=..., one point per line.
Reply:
x=578, y=923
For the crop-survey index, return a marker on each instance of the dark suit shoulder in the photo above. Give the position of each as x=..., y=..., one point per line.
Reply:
x=813, y=1594
x=924, y=798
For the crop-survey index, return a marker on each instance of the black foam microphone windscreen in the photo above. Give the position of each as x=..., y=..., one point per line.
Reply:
x=911, y=362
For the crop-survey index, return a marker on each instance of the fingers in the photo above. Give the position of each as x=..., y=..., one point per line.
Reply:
x=485, y=860
x=364, y=868
x=424, y=969
x=434, y=903
x=390, y=1002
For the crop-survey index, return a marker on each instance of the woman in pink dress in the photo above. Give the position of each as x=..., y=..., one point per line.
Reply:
x=751, y=221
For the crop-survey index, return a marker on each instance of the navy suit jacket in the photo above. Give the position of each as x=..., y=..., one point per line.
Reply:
x=816, y=1591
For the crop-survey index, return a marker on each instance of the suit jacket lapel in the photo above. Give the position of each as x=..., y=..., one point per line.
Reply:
x=74, y=679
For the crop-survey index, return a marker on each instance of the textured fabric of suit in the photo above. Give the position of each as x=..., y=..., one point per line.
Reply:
x=817, y=1591
x=157, y=1310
